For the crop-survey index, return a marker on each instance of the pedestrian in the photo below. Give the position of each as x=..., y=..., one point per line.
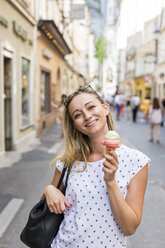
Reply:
x=155, y=113
x=146, y=106
x=128, y=107
x=135, y=102
x=163, y=111
x=60, y=110
x=122, y=104
x=118, y=105
x=104, y=197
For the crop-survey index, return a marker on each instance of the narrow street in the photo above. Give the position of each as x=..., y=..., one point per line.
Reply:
x=22, y=182
x=150, y=233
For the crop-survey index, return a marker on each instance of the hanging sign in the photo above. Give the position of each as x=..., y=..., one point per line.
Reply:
x=77, y=11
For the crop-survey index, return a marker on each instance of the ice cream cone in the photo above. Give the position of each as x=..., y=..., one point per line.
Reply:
x=112, y=141
x=112, y=149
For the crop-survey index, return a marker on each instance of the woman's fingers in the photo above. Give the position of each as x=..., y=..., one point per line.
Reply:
x=56, y=201
x=58, y=206
x=112, y=168
x=110, y=159
x=67, y=203
x=105, y=142
x=114, y=155
x=107, y=170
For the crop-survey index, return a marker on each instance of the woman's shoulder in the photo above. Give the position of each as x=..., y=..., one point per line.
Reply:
x=132, y=160
x=132, y=153
x=59, y=164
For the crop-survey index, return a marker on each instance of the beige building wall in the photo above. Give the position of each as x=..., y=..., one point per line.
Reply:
x=54, y=66
x=15, y=45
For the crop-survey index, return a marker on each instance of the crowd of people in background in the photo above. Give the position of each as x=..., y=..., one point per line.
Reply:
x=153, y=111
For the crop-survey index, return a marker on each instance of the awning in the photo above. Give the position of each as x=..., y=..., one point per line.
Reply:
x=50, y=30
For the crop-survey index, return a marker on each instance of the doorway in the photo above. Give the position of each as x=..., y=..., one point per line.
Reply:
x=8, y=103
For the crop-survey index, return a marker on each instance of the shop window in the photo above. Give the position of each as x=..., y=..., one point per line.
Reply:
x=25, y=92
x=45, y=92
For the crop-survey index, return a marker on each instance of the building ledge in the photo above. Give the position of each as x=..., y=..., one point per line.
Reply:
x=50, y=30
x=22, y=10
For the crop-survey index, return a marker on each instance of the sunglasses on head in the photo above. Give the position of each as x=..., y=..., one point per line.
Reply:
x=80, y=90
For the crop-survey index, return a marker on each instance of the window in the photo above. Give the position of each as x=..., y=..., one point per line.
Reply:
x=45, y=92
x=25, y=92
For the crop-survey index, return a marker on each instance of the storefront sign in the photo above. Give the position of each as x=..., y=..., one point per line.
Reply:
x=47, y=54
x=3, y=21
x=147, y=81
x=21, y=32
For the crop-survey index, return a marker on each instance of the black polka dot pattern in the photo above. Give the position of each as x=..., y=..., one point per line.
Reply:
x=90, y=222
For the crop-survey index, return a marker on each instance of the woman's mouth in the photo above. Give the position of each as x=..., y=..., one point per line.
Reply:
x=91, y=123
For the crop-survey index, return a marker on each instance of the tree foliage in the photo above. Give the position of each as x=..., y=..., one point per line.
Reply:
x=101, y=48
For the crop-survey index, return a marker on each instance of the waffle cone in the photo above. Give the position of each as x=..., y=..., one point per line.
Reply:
x=107, y=148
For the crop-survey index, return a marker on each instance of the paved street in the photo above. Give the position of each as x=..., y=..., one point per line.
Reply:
x=23, y=176
x=150, y=233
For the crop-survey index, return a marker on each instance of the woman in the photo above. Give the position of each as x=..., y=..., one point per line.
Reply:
x=104, y=197
x=155, y=113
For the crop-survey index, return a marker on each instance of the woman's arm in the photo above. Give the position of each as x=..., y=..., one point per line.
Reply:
x=56, y=201
x=127, y=212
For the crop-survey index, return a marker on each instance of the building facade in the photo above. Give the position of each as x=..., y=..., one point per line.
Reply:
x=17, y=32
x=51, y=50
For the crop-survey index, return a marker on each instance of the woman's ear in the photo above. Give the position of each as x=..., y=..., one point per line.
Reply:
x=106, y=107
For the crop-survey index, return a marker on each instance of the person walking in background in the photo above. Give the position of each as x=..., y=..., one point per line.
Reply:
x=60, y=109
x=135, y=102
x=118, y=105
x=163, y=112
x=155, y=113
x=147, y=103
x=122, y=104
x=60, y=113
x=128, y=107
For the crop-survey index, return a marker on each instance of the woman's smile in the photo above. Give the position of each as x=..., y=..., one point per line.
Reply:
x=91, y=123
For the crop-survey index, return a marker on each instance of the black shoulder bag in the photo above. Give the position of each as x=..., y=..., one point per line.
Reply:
x=42, y=225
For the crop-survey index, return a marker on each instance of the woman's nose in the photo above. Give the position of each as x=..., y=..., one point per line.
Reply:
x=87, y=115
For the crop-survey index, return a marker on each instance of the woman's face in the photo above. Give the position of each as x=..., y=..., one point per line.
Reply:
x=88, y=114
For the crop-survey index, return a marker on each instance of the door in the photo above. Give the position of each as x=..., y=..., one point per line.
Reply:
x=7, y=103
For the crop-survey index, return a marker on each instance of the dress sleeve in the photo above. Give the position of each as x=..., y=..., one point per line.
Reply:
x=139, y=160
x=59, y=165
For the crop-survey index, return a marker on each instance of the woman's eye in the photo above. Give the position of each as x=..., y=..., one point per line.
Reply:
x=76, y=116
x=91, y=107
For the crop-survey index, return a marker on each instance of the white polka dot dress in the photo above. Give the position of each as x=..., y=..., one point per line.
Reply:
x=90, y=223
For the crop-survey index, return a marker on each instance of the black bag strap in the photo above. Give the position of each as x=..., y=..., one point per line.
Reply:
x=62, y=177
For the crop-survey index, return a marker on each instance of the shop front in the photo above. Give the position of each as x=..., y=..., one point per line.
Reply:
x=16, y=78
x=51, y=50
x=143, y=86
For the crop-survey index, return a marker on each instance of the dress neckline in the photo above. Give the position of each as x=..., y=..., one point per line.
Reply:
x=98, y=161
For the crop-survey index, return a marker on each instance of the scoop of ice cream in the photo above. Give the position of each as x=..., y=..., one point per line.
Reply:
x=112, y=135
x=112, y=143
x=112, y=139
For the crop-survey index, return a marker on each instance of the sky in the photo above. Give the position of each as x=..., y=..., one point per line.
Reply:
x=134, y=14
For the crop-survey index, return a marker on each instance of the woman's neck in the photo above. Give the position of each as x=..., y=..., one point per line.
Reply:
x=97, y=149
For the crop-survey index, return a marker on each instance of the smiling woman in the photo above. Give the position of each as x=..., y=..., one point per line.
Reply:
x=105, y=192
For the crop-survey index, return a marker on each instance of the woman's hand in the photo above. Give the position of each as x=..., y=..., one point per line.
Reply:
x=55, y=199
x=110, y=166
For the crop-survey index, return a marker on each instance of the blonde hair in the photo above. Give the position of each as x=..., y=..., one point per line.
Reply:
x=77, y=144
